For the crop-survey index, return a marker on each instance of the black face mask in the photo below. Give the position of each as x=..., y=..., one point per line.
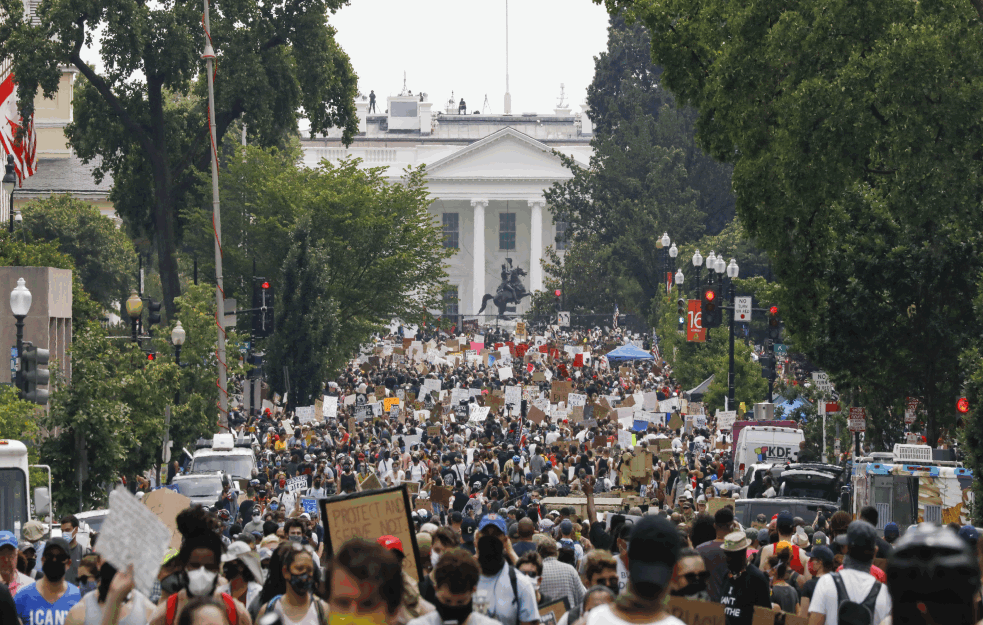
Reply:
x=172, y=584
x=491, y=556
x=31, y=563
x=302, y=584
x=456, y=613
x=231, y=571
x=54, y=571
x=736, y=561
x=689, y=590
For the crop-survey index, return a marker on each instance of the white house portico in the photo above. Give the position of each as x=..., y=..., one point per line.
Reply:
x=487, y=191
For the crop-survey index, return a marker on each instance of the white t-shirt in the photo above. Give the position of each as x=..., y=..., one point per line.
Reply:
x=602, y=615
x=857, y=584
x=498, y=589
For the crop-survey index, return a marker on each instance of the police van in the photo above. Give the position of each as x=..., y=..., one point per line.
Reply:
x=224, y=453
x=766, y=445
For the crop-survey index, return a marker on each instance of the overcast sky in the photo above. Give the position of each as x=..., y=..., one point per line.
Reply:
x=446, y=45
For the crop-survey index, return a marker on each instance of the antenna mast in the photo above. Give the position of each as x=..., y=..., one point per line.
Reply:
x=508, y=96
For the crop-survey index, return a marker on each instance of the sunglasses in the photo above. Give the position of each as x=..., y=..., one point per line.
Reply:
x=693, y=578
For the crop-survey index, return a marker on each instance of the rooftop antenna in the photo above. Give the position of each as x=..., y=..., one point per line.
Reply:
x=486, y=107
x=508, y=96
x=403, y=92
x=562, y=98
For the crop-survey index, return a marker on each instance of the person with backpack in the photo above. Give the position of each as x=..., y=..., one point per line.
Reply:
x=298, y=605
x=852, y=596
x=201, y=558
x=503, y=592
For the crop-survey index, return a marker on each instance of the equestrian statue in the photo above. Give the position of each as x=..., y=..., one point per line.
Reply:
x=510, y=291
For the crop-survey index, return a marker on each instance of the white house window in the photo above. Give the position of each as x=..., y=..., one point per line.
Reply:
x=450, y=223
x=450, y=301
x=562, y=234
x=506, y=231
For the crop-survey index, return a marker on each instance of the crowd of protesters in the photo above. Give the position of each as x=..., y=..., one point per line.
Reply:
x=501, y=548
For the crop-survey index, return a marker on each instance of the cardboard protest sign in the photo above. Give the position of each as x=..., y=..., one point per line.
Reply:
x=551, y=613
x=371, y=482
x=665, y=455
x=433, y=430
x=765, y=616
x=133, y=534
x=718, y=503
x=535, y=415
x=166, y=504
x=559, y=391
x=675, y=421
x=663, y=443
x=413, y=487
x=441, y=495
x=318, y=409
x=697, y=612
x=369, y=516
x=494, y=402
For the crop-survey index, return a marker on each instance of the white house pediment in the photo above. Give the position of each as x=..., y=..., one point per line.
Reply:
x=506, y=154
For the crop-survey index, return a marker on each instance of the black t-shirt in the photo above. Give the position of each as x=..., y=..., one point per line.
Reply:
x=808, y=588
x=459, y=500
x=601, y=538
x=739, y=596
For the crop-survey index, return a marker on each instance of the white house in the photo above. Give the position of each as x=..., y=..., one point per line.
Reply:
x=486, y=174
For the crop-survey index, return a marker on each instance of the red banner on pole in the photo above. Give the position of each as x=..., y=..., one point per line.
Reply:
x=694, y=322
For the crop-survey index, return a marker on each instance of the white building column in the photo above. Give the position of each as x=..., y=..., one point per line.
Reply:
x=478, y=254
x=536, y=245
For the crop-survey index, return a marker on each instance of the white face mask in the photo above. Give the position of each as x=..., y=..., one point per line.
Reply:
x=434, y=557
x=201, y=582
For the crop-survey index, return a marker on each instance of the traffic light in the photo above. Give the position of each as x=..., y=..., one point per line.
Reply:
x=710, y=307
x=151, y=356
x=34, y=373
x=262, y=308
x=962, y=405
x=767, y=366
x=153, y=313
x=557, y=303
x=255, y=361
x=774, y=324
x=681, y=311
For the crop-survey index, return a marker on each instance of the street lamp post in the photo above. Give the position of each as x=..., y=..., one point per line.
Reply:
x=20, y=305
x=673, y=253
x=178, y=335
x=697, y=264
x=134, y=308
x=732, y=272
x=9, y=184
x=665, y=256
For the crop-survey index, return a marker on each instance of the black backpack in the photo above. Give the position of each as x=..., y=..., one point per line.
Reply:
x=851, y=613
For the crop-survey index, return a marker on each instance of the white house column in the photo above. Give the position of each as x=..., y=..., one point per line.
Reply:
x=478, y=254
x=536, y=245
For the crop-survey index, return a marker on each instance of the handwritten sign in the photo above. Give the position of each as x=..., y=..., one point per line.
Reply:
x=559, y=391
x=725, y=419
x=718, y=503
x=513, y=397
x=369, y=516
x=309, y=504
x=295, y=484
x=132, y=534
x=576, y=399
x=551, y=613
x=305, y=413
x=697, y=612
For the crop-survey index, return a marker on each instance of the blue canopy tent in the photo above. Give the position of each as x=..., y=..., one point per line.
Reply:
x=628, y=352
x=793, y=408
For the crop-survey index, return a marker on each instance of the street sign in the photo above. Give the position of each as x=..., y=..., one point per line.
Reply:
x=858, y=419
x=694, y=322
x=911, y=407
x=832, y=407
x=781, y=350
x=742, y=308
x=821, y=380
x=563, y=319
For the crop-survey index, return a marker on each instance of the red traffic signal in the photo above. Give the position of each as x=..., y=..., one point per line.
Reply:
x=151, y=356
x=773, y=311
x=557, y=293
x=962, y=405
x=709, y=295
x=265, y=285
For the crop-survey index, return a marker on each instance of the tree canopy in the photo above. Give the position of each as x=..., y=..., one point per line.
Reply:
x=144, y=119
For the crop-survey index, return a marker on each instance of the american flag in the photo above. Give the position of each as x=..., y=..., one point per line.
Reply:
x=24, y=150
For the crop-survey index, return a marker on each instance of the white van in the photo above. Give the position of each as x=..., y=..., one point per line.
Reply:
x=223, y=453
x=766, y=444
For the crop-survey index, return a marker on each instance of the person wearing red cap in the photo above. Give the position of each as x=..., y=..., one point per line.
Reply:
x=413, y=605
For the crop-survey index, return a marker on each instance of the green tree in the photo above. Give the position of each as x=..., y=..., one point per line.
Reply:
x=306, y=326
x=384, y=252
x=18, y=418
x=103, y=256
x=855, y=142
x=145, y=117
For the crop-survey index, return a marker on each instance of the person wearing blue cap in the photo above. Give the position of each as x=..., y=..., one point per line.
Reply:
x=9, y=575
x=970, y=534
x=891, y=532
x=503, y=592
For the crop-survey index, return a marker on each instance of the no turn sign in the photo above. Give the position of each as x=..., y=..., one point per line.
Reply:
x=742, y=308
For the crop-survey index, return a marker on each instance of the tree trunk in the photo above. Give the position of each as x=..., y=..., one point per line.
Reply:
x=164, y=224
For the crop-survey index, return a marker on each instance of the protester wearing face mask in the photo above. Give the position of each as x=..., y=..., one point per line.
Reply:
x=256, y=524
x=9, y=575
x=33, y=532
x=347, y=482
x=114, y=594
x=442, y=541
x=241, y=567
x=456, y=578
x=691, y=576
x=89, y=573
x=296, y=532
x=51, y=597
x=69, y=531
x=510, y=596
x=745, y=586
x=201, y=557
x=531, y=565
x=297, y=605
x=170, y=578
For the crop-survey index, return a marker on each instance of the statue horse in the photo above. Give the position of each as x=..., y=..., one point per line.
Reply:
x=502, y=299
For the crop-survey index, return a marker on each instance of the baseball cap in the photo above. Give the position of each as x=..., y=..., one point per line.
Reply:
x=819, y=539
x=493, y=519
x=566, y=526
x=456, y=517
x=891, y=530
x=653, y=549
x=390, y=542
x=467, y=530
x=785, y=520
x=862, y=535
x=235, y=550
x=60, y=543
x=763, y=537
x=966, y=532
x=823, y=554
x=7, y=539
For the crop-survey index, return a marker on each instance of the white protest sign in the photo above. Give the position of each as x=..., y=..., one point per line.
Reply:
x=377, y=409
x=650, y=402
x=505, y=373
x=330, y=407
x=478, y=415
x=548, y=374
x=624, y=438
x=458, y=395
x=575, y=399
x=295, y=484
x=305, y=414
x=430, y=385
x=725, y=419
x=132, y=534
x=513, y=397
